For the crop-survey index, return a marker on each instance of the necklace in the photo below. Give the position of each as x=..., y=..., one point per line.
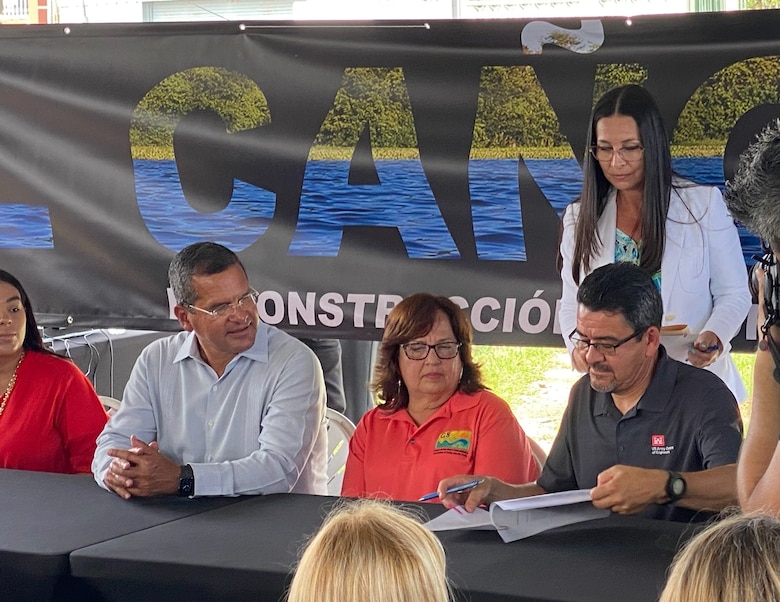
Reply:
x=11, y=384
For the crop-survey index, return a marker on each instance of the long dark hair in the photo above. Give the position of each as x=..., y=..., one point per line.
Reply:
x=32, y=337
x=635, y=102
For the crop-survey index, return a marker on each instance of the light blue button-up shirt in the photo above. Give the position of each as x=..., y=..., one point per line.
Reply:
x=258, y=428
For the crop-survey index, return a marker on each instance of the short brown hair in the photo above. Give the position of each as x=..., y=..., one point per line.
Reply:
x=411, y=318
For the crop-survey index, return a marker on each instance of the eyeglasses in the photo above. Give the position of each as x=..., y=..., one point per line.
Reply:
x=630, y=154
x=419, y=351
x=247, y=302
x=602, y=348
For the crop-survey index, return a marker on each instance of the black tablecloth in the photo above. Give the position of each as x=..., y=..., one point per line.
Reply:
x=615, y=559
x=44, y=517
x=246, y=552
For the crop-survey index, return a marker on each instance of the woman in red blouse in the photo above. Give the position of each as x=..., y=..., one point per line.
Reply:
x=50, y=415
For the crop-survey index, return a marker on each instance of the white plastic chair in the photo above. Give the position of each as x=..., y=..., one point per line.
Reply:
x=539, y=454
x=340, y=429
x=110, y=403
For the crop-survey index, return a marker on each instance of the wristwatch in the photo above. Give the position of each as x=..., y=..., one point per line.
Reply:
x=675, y=486
x=186, y=481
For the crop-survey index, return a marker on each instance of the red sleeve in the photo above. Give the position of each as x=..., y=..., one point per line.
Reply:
x=503, y=449
x=80, y=419
x=354, y=484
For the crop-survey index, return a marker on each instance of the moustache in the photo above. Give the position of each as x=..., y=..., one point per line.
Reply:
x=600, y=366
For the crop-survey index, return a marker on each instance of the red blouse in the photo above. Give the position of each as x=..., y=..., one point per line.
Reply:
x=52, y=418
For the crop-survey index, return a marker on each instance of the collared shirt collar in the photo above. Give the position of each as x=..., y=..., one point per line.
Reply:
x=657, y=394
x=659, y=391
x=457, y=402
x=602, y=404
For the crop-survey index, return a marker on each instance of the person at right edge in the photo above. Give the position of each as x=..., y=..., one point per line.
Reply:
x=753, y=197
x=634, y=208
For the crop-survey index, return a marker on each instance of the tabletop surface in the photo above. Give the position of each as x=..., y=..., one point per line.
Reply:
x=54, y=514
x=247, y=551
x=46, y=516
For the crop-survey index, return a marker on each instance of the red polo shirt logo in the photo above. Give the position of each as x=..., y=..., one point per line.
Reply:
x=457, y=442
x=657, y=440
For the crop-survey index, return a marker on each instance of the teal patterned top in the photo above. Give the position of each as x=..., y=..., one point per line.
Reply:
x=627, y=249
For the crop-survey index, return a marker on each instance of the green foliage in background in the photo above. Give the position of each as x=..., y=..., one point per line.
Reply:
x=535, y=382
x=716, y=106
x=233, y=96
x=514, y=371
x=376, y=98
x=760, y=4
x=513, y=110
x=613, y=75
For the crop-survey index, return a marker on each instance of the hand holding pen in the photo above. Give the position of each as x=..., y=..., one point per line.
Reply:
x=453, y=489
x=469, y=491
x=704, y=350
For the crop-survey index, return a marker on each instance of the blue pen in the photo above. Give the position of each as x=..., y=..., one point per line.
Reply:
x=709, y=349
x=453, y=489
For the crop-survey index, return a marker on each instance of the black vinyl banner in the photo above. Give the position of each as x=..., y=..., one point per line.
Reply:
x=348, y=164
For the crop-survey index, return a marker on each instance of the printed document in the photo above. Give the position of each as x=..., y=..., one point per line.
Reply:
x=523, y=517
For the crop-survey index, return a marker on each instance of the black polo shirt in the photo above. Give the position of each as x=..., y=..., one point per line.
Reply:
x=687, y=420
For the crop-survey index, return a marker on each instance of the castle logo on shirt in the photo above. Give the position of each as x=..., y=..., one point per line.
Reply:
x=658, y=446
x=457, y=442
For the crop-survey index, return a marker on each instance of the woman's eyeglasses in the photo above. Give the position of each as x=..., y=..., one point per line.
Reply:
x=630, y=154
x=419, y=351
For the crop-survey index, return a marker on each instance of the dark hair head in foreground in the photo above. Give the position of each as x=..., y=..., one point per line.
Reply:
x=753, y=194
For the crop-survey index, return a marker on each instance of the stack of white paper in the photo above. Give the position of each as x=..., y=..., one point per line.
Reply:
x=523, y=517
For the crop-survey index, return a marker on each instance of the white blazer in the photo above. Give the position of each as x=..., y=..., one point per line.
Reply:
x=703, y=275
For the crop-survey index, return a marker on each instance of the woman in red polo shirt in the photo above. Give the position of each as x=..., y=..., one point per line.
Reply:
x=437, y=419
x=50, y=415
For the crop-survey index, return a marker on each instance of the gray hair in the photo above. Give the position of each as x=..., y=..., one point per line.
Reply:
x=199, y=259
x=626, y=289
x=753, y=194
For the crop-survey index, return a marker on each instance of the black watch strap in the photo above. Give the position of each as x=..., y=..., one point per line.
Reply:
x=186, y=481
x=675, y=486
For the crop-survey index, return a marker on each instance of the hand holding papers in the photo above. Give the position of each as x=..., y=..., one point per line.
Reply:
x=516, y=519
x=523, y=517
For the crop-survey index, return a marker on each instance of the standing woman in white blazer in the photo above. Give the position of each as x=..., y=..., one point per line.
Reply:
x=634, y=208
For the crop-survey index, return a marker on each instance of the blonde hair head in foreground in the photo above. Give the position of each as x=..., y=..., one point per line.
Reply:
x=371, y=550
x=736, y=559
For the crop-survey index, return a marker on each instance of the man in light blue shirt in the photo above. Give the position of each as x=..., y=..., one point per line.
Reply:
x=229, y=406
